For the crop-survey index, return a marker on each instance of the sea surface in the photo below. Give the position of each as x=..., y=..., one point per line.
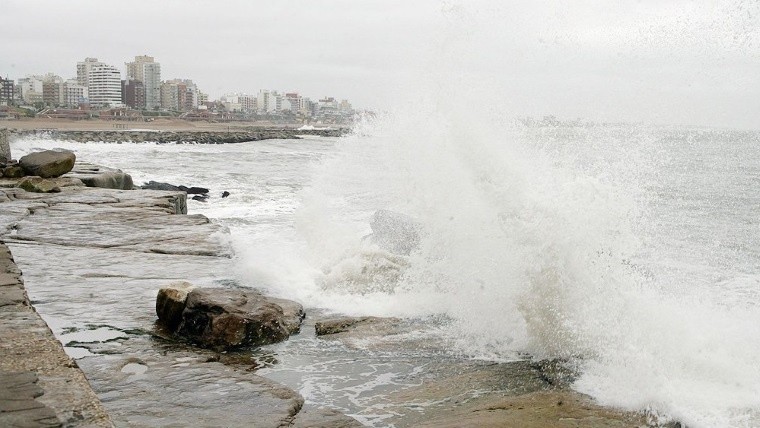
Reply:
x=633, y=251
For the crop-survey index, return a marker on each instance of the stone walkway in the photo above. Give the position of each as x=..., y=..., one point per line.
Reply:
x=40, y=386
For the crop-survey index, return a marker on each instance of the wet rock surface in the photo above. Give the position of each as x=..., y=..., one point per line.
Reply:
x=18, y=407
x=95, y=259
x=227, y=319
x=377, y=325
x=453, y=392
x=113, y=250
x=40, y=386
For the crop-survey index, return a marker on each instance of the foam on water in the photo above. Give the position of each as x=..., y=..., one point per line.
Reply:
x=556, y=251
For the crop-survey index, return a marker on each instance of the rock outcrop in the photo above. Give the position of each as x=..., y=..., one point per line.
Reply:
x=224, y=319
x=109, y=180
x=48, y=163
x=46, y=185
x=199, y=193
x=344, y=324
x=157, y=185
x=12, y=170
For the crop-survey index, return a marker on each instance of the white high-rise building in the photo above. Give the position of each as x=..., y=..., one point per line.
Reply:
x=104, y=85
x=145, y=69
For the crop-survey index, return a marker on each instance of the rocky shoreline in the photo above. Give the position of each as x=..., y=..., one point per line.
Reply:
x=134, y=242
x=186, y=137
x=94, y=260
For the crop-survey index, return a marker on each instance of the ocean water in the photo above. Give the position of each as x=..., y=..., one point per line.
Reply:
x=632, y=251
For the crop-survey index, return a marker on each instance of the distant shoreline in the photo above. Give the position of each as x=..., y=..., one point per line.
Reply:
x=158, y=124
x=161, y=131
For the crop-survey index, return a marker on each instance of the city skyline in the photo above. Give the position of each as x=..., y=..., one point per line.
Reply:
x=141, y=87
x=146, y=72
x=668, y=61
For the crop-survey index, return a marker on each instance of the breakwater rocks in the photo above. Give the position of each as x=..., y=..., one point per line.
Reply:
x=188, y=137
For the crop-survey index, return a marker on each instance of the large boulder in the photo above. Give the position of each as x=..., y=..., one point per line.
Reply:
x=48, y=163
x=194, y=190
x=108, y=180
x=224, y=319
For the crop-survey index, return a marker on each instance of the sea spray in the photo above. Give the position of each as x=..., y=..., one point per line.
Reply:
x=552, y=241
x=630, y=250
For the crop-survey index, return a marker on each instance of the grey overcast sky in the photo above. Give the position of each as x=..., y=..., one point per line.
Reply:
x=661, y=61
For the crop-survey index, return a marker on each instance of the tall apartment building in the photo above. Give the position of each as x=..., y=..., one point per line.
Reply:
x=104, y=85
x=146, y=70
x=103, y=82
x=7, y=89
x=169, y=99
x=133, y=93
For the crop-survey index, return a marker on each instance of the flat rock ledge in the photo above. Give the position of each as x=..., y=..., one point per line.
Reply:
x=40, y=386
x=226, y=319
x=130, y=239
x=376, y=325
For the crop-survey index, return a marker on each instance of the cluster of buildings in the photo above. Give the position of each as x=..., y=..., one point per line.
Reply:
x=100, y=86
x=273, y=103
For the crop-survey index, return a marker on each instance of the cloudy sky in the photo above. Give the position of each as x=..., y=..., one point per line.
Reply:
x=661, y=61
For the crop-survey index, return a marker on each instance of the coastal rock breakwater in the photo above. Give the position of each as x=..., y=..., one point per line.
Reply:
x=188, y=137
x=95, y=259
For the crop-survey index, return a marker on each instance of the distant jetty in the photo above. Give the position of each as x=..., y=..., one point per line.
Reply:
x=188, y=137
